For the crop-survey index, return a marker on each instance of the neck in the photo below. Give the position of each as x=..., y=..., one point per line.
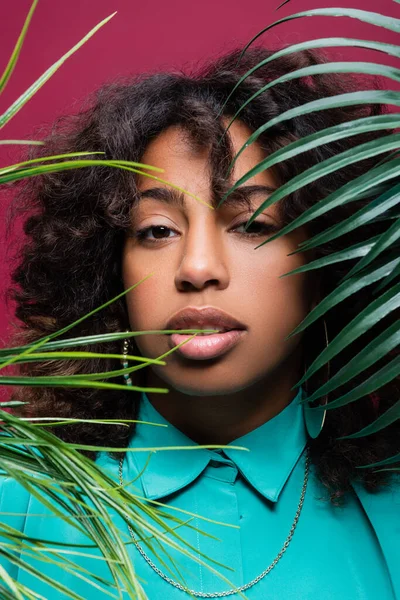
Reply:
x=222, y=418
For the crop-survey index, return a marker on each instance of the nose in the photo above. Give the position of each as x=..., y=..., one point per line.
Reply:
x=203, y=260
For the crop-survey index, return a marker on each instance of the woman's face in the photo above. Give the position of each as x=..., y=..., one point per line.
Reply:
x=202, y=257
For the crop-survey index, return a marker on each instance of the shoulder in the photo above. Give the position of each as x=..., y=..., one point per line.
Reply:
x=382, y=502
x=383, y=511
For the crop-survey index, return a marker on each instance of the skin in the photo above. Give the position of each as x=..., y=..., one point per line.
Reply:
x=206, y=259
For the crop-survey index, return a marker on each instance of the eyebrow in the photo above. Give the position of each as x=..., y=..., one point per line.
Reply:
x=240, y=197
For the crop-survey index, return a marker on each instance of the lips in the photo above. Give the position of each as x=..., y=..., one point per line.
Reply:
x=204, y=318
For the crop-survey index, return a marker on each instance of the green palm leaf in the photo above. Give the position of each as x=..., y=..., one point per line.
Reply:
x=345, y=290
x=314, y=140
x=387, y=461
x=362, y=15
x=347, y=99
x=360, y=249
x=365, y=215
x=391, y=415
x=74, y=487
x=334, y=67
x=388, y=239
x=389, y=49
x=351, y=191
x=387, y=341
x=374, y=312
x=379, y=255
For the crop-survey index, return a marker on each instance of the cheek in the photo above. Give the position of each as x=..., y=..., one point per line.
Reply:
x=136, y=266
x=277, y=303
x=254, y=283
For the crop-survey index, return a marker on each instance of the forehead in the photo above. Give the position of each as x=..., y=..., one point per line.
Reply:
x=189, y=168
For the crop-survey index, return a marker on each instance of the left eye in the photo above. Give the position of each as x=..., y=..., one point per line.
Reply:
x=261, y=228
x=142, y=233
x=160, y=232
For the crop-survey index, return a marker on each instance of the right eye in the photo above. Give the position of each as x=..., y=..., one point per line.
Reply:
x=160, y=232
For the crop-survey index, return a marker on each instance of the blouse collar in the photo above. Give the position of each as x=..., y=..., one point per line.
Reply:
x=274, y=449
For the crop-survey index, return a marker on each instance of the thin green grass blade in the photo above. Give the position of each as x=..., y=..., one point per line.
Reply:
x=93, y=526
x=27, y=95
x=97, y=339
x=24, y=566
x=32, y=489
x=17, y=49
x=73, y=381
x=61, y=421
x=85, y=379
x=176, y=187
x=39, y=357
x=388, y=417
x=44, y=356
x=38, y=553
x=43, y=159
x=19, y=441
x=10, y=583
x=7, y=595
x=67, y=165
x=42, y=341
x=15, y=175
x=21, y=142
x=94, y=499
x=81, y=482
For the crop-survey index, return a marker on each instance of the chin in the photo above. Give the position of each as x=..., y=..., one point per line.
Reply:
x=205, y=386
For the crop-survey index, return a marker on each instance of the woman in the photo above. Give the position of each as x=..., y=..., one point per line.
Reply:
x=307, y=524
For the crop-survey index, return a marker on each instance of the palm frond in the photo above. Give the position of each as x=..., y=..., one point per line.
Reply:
x=379, y=261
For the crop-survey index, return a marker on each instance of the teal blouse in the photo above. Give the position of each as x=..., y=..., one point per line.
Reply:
x=347, y=553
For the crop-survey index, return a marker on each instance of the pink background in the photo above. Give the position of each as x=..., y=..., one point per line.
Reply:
x=144, y=36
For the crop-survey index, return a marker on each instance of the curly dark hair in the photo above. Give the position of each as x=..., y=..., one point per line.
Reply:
x=75, y=224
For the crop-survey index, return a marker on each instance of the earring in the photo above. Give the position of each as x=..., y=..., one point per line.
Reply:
x=315, y=419
x=124, y=362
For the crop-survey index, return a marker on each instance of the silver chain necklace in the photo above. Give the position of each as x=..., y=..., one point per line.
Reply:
x=247, y=585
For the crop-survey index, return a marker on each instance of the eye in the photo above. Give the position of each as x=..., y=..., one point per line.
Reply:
x=160, y=233
x=261, y=228
x=257, y=228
